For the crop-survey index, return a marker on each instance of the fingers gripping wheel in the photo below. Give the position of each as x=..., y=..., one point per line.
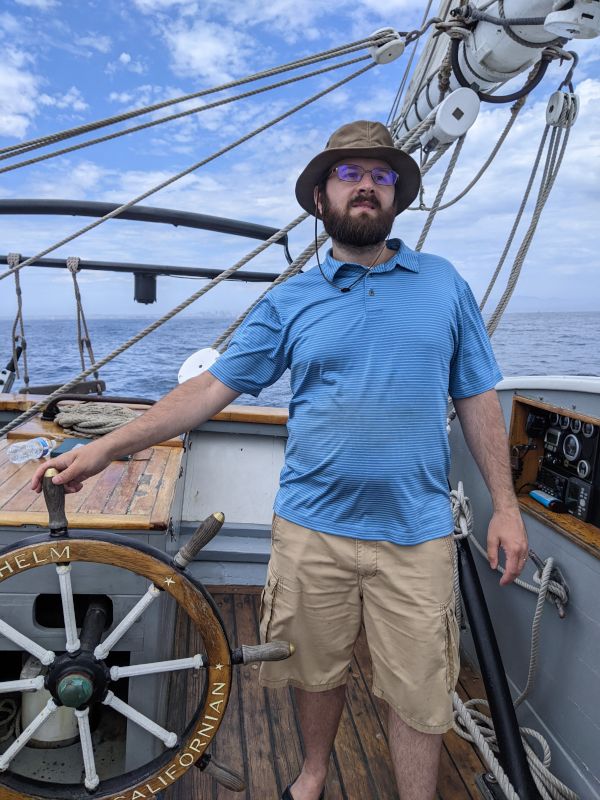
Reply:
x=81, y=679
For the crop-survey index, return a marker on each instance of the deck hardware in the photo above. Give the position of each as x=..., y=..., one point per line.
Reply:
x=556, y=576
x=391, y=48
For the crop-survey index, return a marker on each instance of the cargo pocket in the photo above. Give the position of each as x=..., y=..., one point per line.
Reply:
x=267, y=606
x=452, y=638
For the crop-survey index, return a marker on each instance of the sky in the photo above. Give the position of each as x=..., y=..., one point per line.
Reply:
x=65, y=63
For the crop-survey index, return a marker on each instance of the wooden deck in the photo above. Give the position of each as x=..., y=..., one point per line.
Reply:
x=260, y=736
x=128, y=495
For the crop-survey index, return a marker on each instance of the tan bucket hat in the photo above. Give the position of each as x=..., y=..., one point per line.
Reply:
x=361, y=139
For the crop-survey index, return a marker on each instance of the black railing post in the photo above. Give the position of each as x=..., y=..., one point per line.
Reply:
x=511, y=751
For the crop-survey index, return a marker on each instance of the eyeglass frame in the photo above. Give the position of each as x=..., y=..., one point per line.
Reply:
x=334, y=171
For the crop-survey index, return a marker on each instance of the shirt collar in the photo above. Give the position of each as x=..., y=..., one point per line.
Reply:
x=403, y=257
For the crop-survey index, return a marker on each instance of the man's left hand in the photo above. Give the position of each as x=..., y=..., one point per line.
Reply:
x=506, y=530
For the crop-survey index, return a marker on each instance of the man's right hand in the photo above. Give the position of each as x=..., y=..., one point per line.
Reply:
x=74, y=467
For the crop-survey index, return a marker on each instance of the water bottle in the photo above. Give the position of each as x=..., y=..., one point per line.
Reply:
x=20, y=452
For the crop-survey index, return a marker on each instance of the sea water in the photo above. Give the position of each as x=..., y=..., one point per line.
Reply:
x=525, y=344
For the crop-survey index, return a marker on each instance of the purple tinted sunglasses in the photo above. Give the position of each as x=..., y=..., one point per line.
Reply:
x=353, y=174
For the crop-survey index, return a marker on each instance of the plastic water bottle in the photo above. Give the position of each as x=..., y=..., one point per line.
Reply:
x=20, y=452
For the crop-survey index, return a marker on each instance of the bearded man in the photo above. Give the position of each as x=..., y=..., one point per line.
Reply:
x=375, y=340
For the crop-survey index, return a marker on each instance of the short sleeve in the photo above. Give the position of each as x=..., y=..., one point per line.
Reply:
x=474, y=368
x=255, y=357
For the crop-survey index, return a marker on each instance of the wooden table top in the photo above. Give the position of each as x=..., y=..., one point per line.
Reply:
x=128, y=495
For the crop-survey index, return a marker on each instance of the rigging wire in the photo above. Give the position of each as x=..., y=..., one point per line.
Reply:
x=188, y=170
x=42, y=141
x=181, y=114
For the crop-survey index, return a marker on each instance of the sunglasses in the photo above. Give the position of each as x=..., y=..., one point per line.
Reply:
x=353, y=174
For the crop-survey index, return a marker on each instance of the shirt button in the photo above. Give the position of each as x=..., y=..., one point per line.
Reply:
x=371, y=293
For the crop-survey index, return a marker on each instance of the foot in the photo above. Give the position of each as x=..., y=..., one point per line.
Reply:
x=307, y=787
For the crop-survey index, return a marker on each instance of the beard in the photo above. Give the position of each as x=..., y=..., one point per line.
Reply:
x=362, y=230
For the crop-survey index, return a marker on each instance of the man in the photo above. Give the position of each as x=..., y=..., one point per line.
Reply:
x=375, y=339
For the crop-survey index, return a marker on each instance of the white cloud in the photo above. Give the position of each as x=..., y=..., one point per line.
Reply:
x=95, y=41
x=42, y=5
x=207, y=50
x=71, y=99
x=127, y=62
x=18, y=93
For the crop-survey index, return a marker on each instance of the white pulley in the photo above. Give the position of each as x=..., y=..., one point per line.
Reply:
x=581, y=21
x=390, y=50
x=562, y=109
x=453, y=118
x=197, y=363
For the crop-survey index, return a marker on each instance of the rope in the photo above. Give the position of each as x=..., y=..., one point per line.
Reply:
x=18, y=338
x=552, y=167
x=92, y=126
x=516, y=108
x=478, y=728
x=440, y=193
x=189, y=170
x=196, y=110
x=93, y=419
x=83, y=335
x=564, y=123
x=31, y=412
x=294, y=268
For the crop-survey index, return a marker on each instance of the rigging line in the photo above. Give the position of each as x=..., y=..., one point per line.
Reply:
x=517, y=221
x=31, y=412
x=292, y=270
x=196, y=110
x=440, y=193
x=514, y=113
x=91, y=126
x=396, y=102
x=556, y=151
x=189, y=170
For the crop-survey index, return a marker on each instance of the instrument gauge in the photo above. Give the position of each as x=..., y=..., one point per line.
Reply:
x=588, y=429
x=564, y=422
x=583, y=469
x=554, y=418
x=575, y=425
x=571, y=447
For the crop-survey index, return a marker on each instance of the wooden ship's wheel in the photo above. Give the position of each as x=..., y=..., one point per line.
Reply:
x=81, y=679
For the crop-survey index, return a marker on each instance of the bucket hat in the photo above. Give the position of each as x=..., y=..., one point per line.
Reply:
x=360, y=139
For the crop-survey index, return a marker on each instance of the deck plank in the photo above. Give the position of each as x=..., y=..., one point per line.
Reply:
x=260, y=735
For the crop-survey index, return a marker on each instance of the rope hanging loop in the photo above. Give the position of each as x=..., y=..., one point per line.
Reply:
x=391, y=47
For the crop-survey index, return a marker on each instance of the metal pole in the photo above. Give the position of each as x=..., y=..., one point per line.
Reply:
x=511, y=752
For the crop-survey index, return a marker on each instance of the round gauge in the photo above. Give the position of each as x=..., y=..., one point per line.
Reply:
x=588, y=429
x=564, y=422
x=554, y=418
x=571, y=447
x=575, y=425
x=583, y=469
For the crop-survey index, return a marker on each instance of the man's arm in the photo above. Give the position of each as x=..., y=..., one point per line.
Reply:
x=483, y=428
x=187, y=406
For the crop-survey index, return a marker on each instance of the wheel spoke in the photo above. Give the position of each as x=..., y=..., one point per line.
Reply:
x=167, y=737
x=22, y=740
x=136, y=612
x=66, y=593
x=85, y=735
x=195, y=662
x=24, y=685
x=45, y=656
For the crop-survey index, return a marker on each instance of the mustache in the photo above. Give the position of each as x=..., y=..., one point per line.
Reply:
x=362, y=198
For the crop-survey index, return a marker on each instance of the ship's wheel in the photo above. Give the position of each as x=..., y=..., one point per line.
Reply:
x=81, y=679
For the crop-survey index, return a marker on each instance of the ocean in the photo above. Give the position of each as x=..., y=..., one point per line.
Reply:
x=525, y=344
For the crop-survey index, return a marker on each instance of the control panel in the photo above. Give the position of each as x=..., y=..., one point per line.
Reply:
x=556, y=454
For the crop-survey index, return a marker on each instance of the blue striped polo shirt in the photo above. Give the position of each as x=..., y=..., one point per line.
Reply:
x=367, y=454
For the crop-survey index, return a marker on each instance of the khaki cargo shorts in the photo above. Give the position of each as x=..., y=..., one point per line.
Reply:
x=321, y=587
